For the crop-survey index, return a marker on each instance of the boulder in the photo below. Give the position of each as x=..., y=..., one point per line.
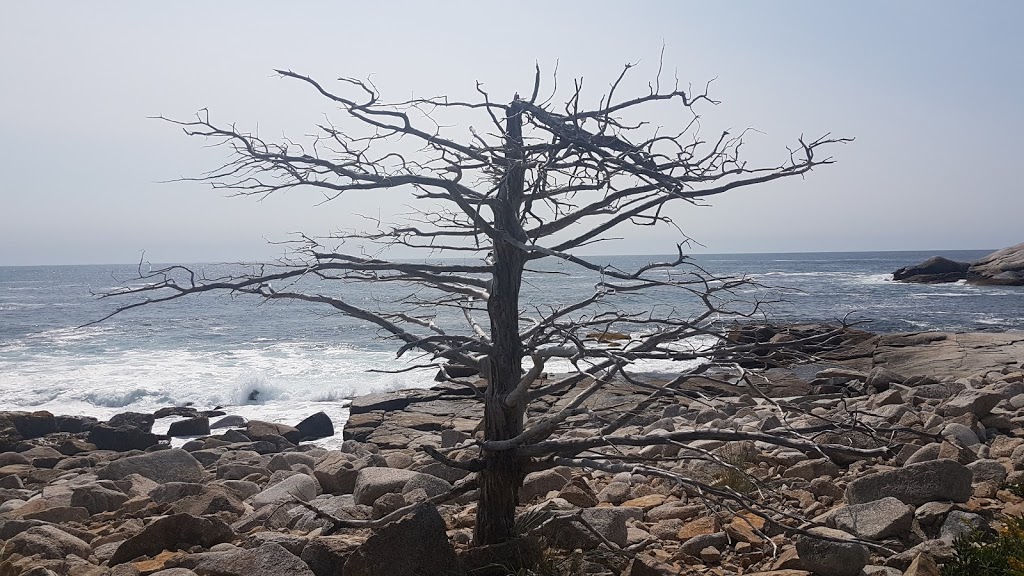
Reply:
x=137, y=420
x=610, y=522
x=540, y=483
x=1004, y=267
x=211, y=499
x=838, y=556
x=326, y=555
x=811, y=469
x=318, y=425
x=270, y=559
x=977, y=402
x=915, y=484
x=107, y=437
x=198, y=426
x=373, y=482
x=297, y=487
x=48, y=542
x=162, y=466
x=875, y=520
x=416, y=544
x=959, y=523
x=33, y=424
x=230, y=422
x=431, y=485
x=175, y=532
x=96, y=498
x=934, y=270
x=259, y=430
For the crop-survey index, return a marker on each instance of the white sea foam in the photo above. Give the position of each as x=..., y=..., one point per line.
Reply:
x=279, y=382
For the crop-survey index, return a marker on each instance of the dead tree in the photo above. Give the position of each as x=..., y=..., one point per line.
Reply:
x=540, y=182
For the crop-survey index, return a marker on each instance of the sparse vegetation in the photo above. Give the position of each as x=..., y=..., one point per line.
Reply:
x=990, y=554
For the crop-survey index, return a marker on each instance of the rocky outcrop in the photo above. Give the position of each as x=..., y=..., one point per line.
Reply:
x=1004, y=268
x=934, y=270
x=1001, y=268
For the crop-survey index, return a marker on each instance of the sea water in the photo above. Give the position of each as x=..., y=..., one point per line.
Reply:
x=283, y=361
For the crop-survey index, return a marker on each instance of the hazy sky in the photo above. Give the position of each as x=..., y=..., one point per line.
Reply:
x=931, y=91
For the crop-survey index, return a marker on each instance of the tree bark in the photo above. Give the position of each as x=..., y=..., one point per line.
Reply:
x=503, y=474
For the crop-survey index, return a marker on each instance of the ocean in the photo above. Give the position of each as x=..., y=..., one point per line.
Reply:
x=282, y=362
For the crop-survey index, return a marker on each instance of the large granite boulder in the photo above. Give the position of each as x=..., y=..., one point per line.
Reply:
x=48, y=542
x=372, y=483
x=270, y=559
x=934, y=270
x=1004, y=267
x=416, y=544
x=833, y=552
x=915, y=484
x=175, y=532
x=875, y=520
x=162, y=466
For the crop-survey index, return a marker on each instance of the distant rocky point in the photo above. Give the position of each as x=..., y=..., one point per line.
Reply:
x=1001, y=268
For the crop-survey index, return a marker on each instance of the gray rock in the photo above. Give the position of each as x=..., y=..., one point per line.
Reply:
x=298, y=487
x=373, y=482
x=977, y=402
x=432, y=485
x=270, y=559
x=96, y=498
x=987, y=470
x=137, y=420
x=959, y=523
x=614, y=492
x=318, y=425
x=230, y=422
x=198, y=426
x=915, y=484
x=49, y=542
x=325, y=555
x=242, y=488
x=963, y=435
x=875, y=520
x=417, y=544
x=174, y=465
x=934, y=270
x=845, y=557
x=694, y=545
x=174, y=491
x=170, y=533
x=540, y=483
x=1003, y=267
x=811, y=469
x=880, y=378
x=570, y=534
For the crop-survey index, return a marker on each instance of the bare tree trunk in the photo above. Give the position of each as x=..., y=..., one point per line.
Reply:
x=502, y=474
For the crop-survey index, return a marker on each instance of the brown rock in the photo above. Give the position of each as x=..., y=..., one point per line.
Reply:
x=698, y=527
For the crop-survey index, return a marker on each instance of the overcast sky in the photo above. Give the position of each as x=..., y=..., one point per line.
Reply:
x=931, y=91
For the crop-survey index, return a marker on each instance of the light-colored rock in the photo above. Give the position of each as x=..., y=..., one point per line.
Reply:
x=839, y=556
x=875, y=520
x=298, y=487
x=48, y=542
x=915, y=484
x=373, y=482
x=174, y=465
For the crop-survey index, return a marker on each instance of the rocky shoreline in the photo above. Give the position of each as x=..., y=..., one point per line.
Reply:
x=79, y=497
x=1001, y=268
